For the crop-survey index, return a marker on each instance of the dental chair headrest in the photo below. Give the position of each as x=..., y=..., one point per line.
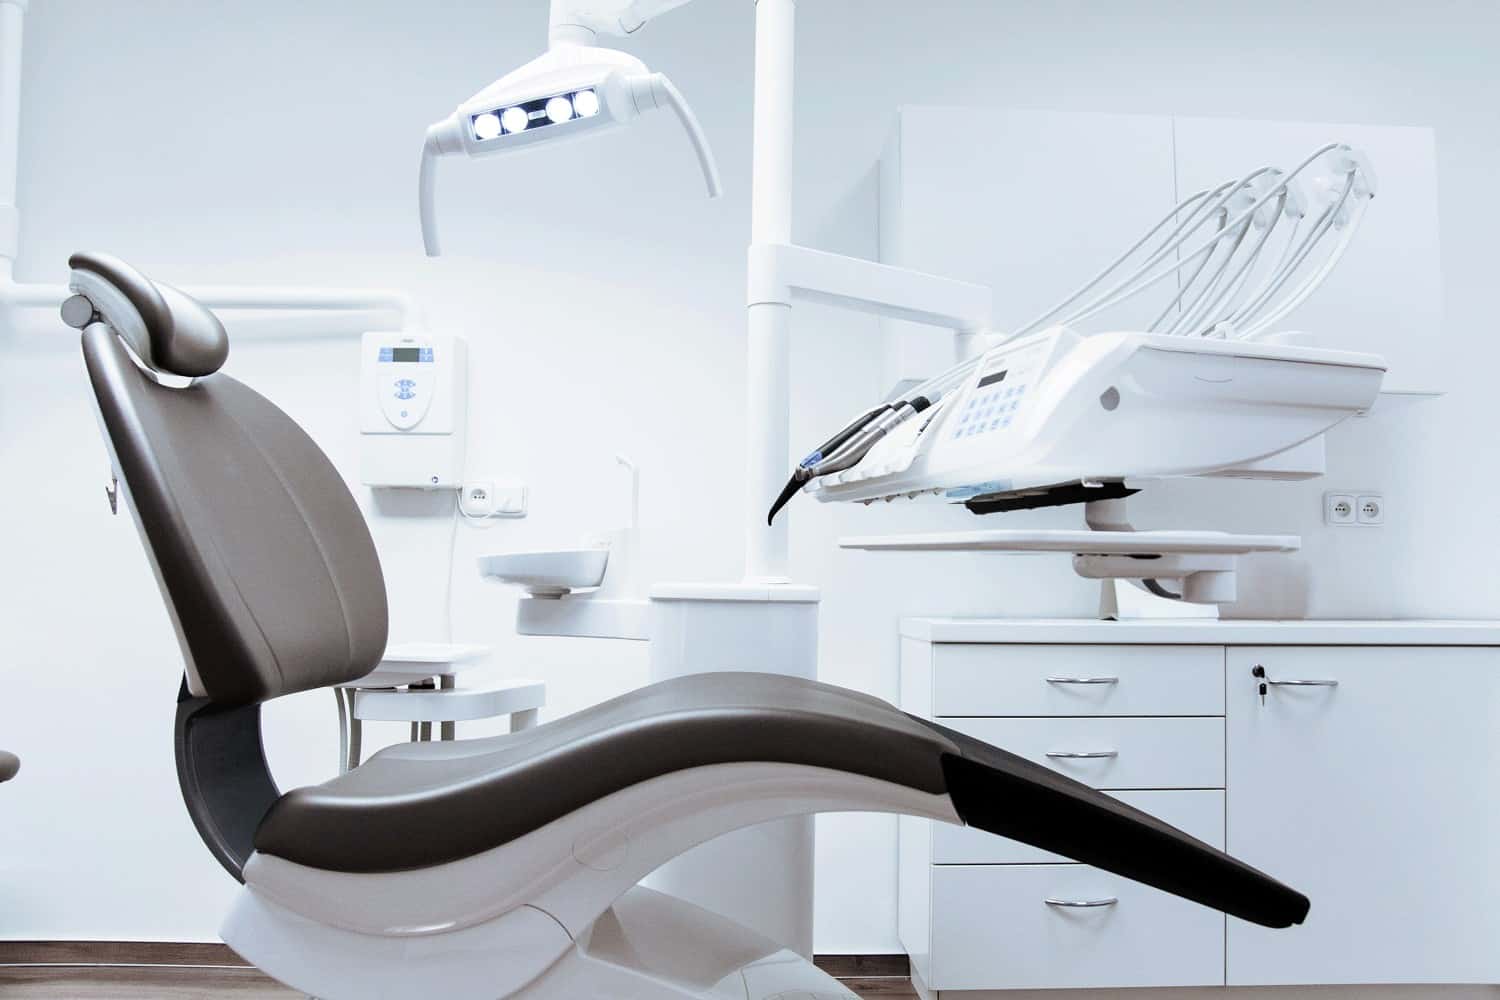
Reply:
x=170, y=332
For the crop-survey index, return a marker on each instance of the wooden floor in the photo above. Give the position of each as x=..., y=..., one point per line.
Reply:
x=71, y=982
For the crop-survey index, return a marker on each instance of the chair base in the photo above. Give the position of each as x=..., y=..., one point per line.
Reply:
x=648, y=946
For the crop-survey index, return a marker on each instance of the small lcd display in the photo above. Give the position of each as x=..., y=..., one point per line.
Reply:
x=412, y=354
x=992, y=378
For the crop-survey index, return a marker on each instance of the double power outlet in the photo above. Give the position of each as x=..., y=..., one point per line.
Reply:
x=482, y=498
x=1363, y=509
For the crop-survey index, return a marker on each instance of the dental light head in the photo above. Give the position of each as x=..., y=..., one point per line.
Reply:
x=571, y=92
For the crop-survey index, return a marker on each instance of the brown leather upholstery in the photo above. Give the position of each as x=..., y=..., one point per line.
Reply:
x=182, y=336
x=411, y=809
x=267, y=564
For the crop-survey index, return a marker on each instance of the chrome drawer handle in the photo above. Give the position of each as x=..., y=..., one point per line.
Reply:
x=1265, y=682
x=1082, y=754
x=1083, y=904
x=1083, y=680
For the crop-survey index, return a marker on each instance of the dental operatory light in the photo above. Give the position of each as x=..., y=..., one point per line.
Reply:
x=487, y=126
x=575, y=89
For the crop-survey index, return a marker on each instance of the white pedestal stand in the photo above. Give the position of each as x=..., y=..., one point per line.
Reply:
x=763, y=876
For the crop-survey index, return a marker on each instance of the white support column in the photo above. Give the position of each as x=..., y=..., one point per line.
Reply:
x=761, y=877
x=767, y=371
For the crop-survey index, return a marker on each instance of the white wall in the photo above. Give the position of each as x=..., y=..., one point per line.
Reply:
x=278, y=141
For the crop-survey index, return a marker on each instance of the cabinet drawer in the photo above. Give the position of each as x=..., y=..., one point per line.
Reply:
x=1143, y=753
x=1027, y=680
x=992, y=928
x=1197, y=813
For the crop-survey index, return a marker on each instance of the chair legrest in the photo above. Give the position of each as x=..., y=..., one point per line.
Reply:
x=403, y=812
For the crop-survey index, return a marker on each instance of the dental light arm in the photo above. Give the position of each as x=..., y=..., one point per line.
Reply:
x=569, y=92
x=662, y=90
x=427, y=188
x=606, y=17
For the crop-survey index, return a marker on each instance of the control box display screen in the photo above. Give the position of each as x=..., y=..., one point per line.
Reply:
x=406, y=355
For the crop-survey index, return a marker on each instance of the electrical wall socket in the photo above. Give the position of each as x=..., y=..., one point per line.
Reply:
x=1338, y=508
x=1369, y=508
x=1357, y=507
x=486, y=498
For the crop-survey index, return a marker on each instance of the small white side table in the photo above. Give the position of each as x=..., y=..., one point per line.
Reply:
x=418, y=683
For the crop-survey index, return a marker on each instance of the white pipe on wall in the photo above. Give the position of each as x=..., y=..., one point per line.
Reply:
x=403, y=310
x=16, y=295
x=12, y=25
x=767, y=370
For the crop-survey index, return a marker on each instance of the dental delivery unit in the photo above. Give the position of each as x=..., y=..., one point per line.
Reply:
x=1051, y=415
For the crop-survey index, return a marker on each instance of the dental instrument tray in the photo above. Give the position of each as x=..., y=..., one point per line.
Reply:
x=409, y=662
x=1203, y=566
x=1082, y=542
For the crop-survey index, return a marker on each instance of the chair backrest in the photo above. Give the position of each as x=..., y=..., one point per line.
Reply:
x=263, y=557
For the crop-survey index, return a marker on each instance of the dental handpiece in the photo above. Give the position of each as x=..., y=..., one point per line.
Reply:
x=803, y=472
x=858, y=446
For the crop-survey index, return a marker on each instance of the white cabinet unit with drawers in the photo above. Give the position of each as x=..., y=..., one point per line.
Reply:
x=1368, y=777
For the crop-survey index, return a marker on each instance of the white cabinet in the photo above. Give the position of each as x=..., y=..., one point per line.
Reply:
x=1144, y=722
x=1067, y=925
x=1376, y=798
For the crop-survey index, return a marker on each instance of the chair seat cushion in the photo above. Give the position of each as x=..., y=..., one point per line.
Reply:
x=413, y=807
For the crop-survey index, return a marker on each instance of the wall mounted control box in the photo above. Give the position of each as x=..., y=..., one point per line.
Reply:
x=413, y=409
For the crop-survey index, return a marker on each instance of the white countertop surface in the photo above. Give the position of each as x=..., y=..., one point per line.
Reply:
x=1205, y=632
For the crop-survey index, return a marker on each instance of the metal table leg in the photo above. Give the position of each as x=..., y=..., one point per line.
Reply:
x=447, y=731
x=338, y=696
x=356, y=735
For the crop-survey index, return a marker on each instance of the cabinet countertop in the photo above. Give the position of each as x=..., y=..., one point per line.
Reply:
x=1227, y=632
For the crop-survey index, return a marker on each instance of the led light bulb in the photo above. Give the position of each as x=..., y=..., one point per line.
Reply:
x=487, y=126
x=559, y=110
x=586, y=104
x=514, y=119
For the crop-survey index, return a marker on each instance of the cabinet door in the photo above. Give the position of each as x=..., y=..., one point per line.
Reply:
x=1376, y=798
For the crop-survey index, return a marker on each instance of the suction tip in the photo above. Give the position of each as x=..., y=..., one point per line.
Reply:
x=787, y=492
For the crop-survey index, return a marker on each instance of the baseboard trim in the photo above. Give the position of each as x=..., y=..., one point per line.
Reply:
x=864, y=966
x=196, y=954
x=206, y=954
